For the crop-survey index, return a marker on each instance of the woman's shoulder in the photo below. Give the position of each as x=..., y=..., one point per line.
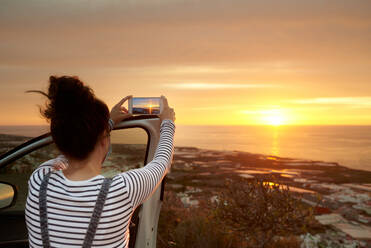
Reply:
x=119, y=178
x=44, y=168
x=38, y=175
x=51, y=162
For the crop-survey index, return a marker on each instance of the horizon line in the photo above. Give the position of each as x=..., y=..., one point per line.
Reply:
x=267, y=125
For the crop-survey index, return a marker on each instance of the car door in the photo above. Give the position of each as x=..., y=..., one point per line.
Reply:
x=134, y=143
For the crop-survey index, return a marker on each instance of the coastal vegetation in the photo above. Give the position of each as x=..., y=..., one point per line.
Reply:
x=239, y=199
x=246, y=213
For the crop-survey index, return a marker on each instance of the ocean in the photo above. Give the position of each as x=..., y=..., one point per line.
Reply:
x=349, y=146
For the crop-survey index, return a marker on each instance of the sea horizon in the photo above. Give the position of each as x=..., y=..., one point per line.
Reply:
x=347, y=145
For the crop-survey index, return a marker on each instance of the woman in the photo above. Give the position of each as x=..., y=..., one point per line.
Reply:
x=76, y=206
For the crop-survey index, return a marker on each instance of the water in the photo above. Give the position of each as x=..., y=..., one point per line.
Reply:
x=347, y=145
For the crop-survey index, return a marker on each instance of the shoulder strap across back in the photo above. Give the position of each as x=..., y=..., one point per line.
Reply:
x=94, y=220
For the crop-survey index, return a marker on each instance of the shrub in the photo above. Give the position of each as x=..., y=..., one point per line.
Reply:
x=191, y=227
x=259, y=211
x=247, y=213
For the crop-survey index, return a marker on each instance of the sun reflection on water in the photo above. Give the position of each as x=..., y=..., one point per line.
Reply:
x=275, y=142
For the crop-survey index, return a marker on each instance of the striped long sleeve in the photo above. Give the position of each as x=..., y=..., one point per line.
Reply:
x=142, y=182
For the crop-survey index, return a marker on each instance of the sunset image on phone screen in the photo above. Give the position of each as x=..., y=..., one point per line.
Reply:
x=146, y=106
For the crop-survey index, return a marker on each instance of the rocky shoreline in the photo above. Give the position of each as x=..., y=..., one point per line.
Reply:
x=341, y=197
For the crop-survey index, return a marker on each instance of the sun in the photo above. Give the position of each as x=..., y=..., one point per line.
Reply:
x=150, y=108
x=274, y=120
x=274, y=117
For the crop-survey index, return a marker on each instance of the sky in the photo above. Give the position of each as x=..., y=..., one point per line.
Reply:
x=219, y=62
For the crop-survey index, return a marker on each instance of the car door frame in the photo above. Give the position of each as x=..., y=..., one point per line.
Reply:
x=149, y=211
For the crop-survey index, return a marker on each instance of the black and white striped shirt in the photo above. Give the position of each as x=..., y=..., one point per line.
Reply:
x=70, y=203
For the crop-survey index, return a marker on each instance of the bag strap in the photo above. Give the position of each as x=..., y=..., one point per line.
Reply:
x=94, y=220
x=89, y=237
x=43, y=212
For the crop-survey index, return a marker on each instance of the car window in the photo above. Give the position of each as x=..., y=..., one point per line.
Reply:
x=129, y=147
x=18, y=172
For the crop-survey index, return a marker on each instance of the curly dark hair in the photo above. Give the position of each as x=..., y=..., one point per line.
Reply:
x=77, y=118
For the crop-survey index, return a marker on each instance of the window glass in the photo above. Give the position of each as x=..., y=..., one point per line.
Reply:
x=128, y=151
x=18, y=172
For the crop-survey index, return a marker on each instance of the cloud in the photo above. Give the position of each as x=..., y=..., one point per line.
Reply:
x=263, y=112
x=163, y=32
x=224, y=107
x=352, y=101
x=213, y=86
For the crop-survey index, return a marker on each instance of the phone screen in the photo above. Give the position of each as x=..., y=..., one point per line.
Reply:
x=146, y=105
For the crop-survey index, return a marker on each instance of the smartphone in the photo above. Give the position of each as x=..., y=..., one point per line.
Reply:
x=145, y=105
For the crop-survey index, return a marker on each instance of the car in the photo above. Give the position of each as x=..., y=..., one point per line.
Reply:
x=134, y=142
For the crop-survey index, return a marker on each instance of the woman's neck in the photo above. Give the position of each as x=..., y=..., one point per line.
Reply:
x=78, y=170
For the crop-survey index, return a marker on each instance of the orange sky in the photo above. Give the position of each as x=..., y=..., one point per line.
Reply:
x=219, y=62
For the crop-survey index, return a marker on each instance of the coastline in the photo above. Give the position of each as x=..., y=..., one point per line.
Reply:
x=347, y=145
x=344, y=208
x=198, y=174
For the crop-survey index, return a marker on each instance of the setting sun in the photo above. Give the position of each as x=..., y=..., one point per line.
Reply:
x=274, y=120
x=273, y=117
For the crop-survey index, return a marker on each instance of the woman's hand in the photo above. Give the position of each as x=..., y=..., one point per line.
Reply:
x=59, y=166
x=61, y=163
x=119, y=112
x=167, y=112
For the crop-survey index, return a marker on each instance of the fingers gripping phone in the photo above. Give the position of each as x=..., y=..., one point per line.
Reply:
x=145, y=105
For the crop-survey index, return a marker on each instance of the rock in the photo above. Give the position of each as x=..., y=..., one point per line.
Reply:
x=310, y=241
x=329, y=219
